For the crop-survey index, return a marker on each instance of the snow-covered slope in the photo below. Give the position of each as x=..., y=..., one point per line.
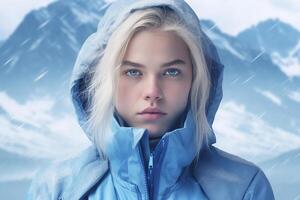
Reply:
x=41, y=52
x=272, y=36
x=253, y=80
x=278, y=39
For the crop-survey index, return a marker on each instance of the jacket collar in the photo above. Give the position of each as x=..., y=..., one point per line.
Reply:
x=128, y=154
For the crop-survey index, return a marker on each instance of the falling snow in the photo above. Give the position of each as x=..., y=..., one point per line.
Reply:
x=36, y=43
x=257, y=57
x=269, y=95
x=39, y=77
x=25, y=42
x=11, y=62
x=43, y=24
x=248, y=79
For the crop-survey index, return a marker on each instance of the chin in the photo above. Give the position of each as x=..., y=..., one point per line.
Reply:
x=155, y=132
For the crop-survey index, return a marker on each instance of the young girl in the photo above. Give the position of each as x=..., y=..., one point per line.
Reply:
x=146, y=87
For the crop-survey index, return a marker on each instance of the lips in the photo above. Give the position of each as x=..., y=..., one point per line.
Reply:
x=150, y=110
x=152, y=114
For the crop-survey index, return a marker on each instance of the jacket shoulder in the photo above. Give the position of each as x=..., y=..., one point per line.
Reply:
x=60, y=178
x=226, y=176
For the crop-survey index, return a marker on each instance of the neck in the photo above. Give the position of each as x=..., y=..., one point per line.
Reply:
x=153, y=142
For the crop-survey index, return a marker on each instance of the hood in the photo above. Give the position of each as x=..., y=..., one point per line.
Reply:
x=93, y=49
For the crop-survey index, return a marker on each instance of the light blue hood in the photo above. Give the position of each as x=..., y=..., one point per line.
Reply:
x=93, y=48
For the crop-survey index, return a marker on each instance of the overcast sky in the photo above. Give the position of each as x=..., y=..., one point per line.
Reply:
x=231, y=16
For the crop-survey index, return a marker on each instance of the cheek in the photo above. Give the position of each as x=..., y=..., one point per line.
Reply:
x=178, y=94
x=125, y=95
x=120, y=96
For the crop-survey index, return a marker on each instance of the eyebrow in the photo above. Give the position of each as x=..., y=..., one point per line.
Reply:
x=173, y=62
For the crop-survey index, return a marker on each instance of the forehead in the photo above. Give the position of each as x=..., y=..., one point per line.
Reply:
x=156, y=45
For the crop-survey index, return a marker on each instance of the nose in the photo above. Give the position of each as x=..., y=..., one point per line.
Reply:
x=152, y=90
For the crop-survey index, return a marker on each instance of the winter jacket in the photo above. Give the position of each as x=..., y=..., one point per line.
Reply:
x=130, y=170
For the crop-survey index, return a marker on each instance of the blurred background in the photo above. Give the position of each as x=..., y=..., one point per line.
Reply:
x=259, y=118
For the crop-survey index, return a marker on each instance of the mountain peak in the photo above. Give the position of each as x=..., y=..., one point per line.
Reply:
x=276, y=24
x=271, y=36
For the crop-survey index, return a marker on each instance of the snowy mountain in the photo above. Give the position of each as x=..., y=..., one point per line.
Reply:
x=278, y=39
x=283, y=171
x=272, y=36
x=252, y=78
x=41, y=52
x=36, y=63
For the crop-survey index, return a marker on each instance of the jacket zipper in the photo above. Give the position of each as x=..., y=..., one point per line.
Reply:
x=150, y=176
x=145, y=175
x=153, y=168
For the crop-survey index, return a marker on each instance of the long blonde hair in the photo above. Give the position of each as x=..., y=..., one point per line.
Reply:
x=103, y=84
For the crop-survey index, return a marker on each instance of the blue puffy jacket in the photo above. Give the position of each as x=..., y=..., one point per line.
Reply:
x=131, y=171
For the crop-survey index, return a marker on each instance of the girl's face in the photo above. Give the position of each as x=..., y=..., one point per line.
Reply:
x=154, y=81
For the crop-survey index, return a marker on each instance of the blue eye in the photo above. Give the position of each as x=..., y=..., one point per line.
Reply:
x=133, y=73
x=172, y=72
